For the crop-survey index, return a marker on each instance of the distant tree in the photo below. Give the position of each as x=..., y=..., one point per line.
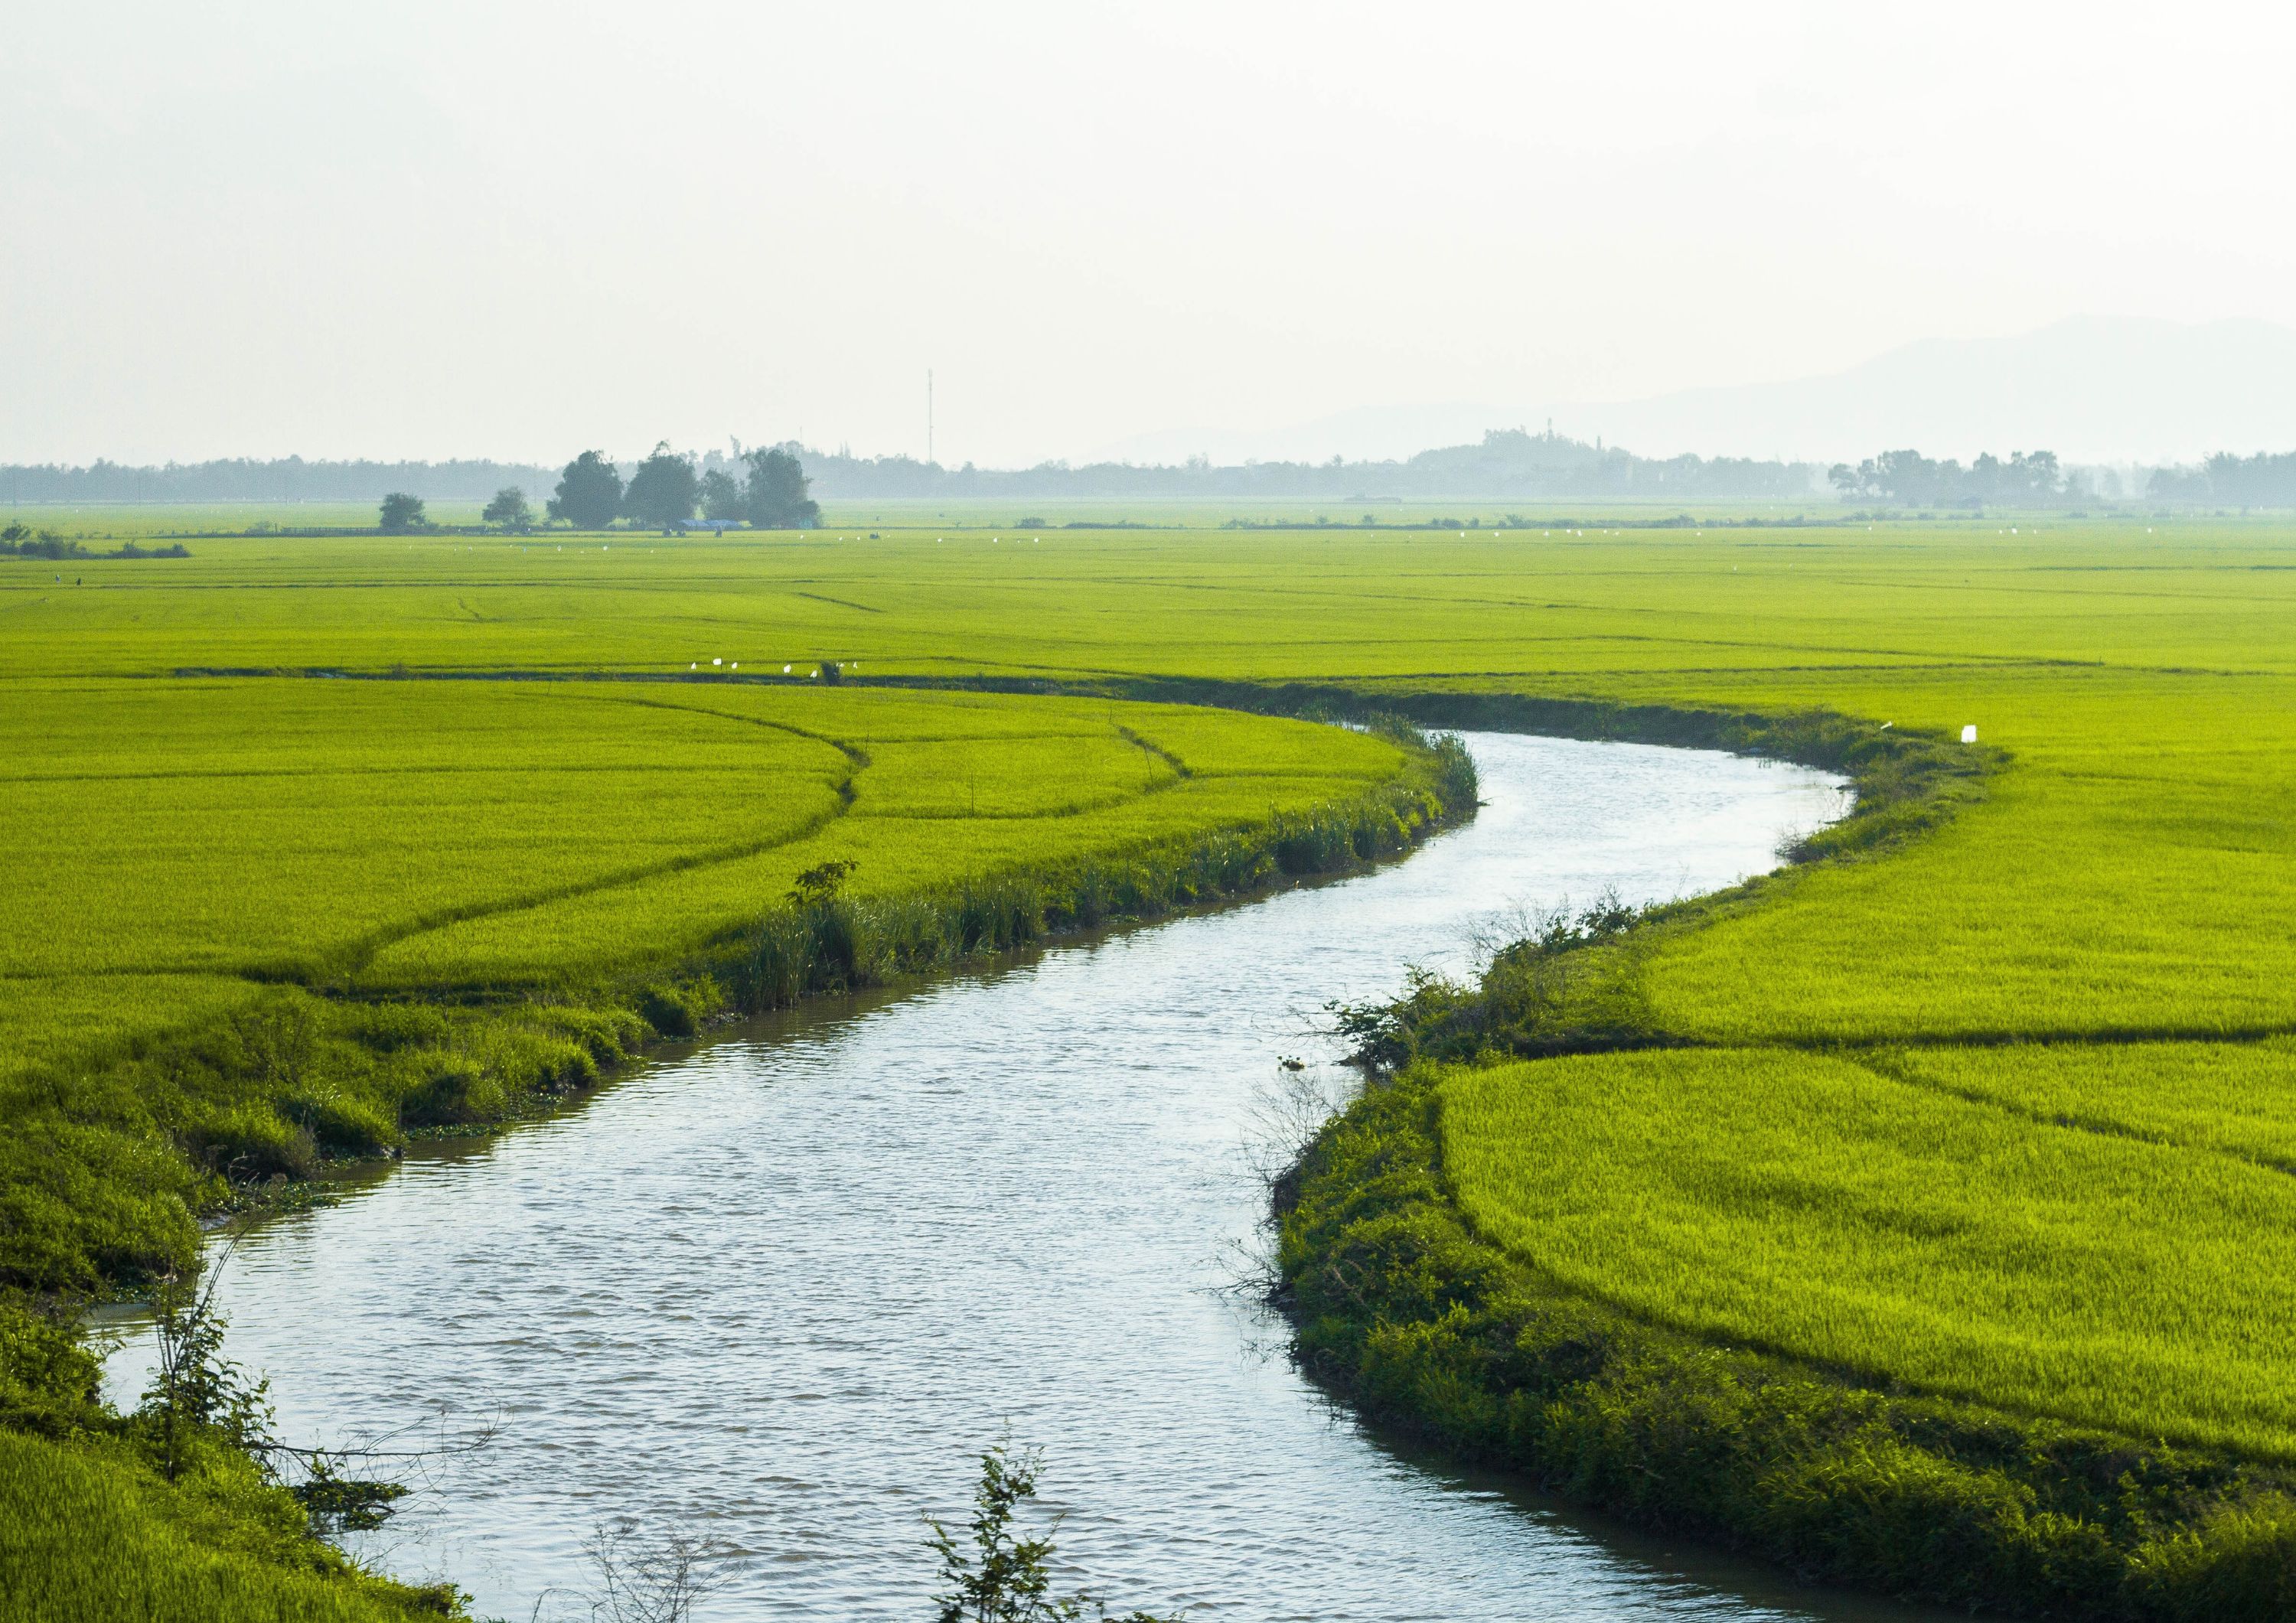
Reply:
x=1912, y=479
x=777, y=487
x=2177, y=485
x=589, y=493
x=2262, y=480
x=402, y=513
x=2036, y=477
x=509, y=509
x=1909, y=478
x=664, y=491
x=722, y=498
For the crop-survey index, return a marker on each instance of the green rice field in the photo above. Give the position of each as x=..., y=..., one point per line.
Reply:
x=2002, y=1114
x=395, y=837
x=1807, y=1202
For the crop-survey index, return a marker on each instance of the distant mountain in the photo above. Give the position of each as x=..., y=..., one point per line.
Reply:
x=1368, y=434
x=2093, y=388
x=1500, y=463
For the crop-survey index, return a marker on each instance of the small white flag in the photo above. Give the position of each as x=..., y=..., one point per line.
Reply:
x=1969, y=736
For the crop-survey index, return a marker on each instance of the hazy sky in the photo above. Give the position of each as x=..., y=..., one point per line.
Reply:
x=517, y=230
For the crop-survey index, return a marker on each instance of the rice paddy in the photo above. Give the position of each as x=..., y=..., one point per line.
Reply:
x=436, y=834
x=1806, y=1203
x=2003, y=1114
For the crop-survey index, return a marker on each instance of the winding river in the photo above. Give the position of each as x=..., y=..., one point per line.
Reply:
x=780, y=1288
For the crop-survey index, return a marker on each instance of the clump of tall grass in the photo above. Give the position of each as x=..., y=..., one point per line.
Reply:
x=1556, y=982
x=101, y=1179
x=164, y=1513
x=825, y=941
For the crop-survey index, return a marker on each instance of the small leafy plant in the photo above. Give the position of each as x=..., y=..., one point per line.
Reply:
x=1005, y=1577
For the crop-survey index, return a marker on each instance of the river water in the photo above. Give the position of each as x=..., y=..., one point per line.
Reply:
x=780, y=1288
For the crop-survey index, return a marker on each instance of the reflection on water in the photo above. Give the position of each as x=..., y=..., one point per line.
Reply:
x=780, y=1290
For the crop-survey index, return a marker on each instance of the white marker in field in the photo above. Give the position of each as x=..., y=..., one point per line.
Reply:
x=1969, y=735
x=717, y=661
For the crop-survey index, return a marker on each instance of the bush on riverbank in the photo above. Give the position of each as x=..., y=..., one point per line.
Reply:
x=1576, y=984
x=837, y=944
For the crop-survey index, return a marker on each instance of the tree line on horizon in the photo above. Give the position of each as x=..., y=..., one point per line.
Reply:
x=1907, y=479
x=1504, y=464
x=664, y=493
x=1507, y=464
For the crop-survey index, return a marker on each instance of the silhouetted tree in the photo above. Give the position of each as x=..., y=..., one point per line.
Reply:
x=664, y=490
x=1909, y=478
x=2262, y=480
x=402, y=513
x=509, y=509
x=722, y=497
x=777, y=487
x=589, y=492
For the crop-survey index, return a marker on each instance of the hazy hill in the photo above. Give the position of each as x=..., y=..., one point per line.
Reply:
x=2093, y=388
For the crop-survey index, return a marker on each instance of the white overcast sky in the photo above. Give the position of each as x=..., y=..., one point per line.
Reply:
x=516, y=230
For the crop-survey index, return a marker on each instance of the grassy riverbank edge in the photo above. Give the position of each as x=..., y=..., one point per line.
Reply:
x=222, y=1540
x=1401, y=1308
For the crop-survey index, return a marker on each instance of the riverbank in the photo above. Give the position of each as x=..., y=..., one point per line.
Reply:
x=267, y=974
x=2086, y=971
x=223, y=1538
x=780, y=1278
x=1841, y=1470
x=1405, y=1310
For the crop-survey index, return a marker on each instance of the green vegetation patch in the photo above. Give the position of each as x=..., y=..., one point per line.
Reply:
x=260, y=923
x=100, y=1518
x=2234, y=1099
x=88, y=1533
x=1426, y=1324
x=2019, y=1031
x=1805, y=1203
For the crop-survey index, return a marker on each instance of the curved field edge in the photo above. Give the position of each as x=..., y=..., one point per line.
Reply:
x=104, y=1189
x=1399, y=1305
x=104, y=1172
x=1402, y=1304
